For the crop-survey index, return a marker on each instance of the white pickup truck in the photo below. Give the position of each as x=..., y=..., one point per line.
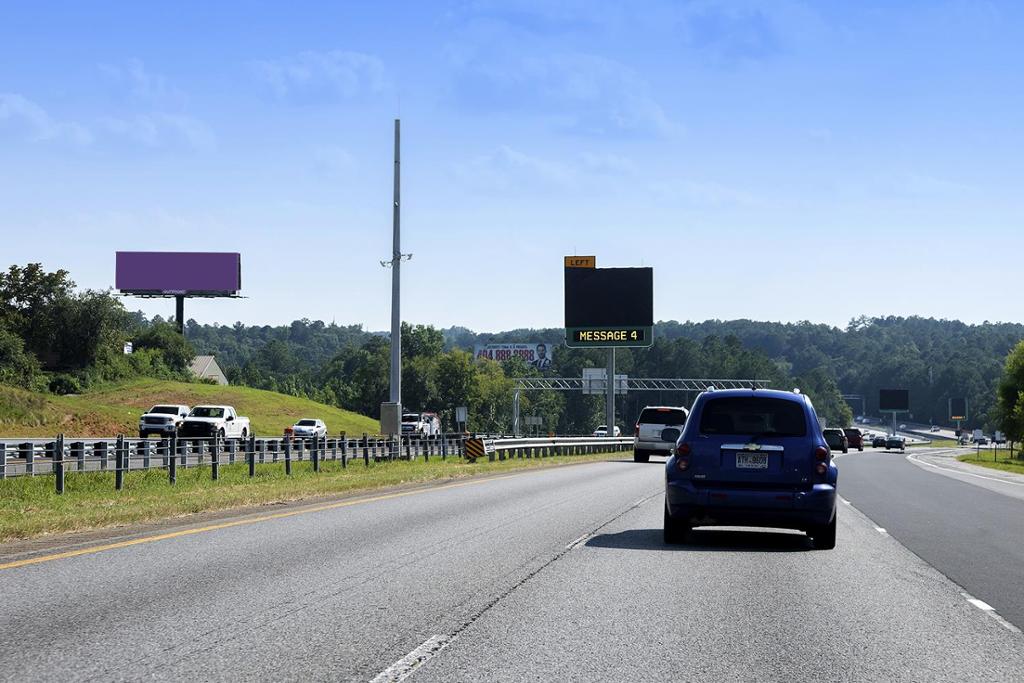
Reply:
x=162, y=420
x=214, y=421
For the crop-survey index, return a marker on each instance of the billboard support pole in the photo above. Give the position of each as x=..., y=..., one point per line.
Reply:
x=179, y=312
x=609, y=408
x=515, y=412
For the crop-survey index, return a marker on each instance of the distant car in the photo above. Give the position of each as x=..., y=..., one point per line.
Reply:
x=895, y=443
x=214, y=421
x=903, y=426
x=751, y=458
x=602, y=430
x=878, y=441
x=982, y=441
x=934, y=428
x=308, y=427
x=657, y=429
x=855, y=438
x=836, y=439
x=162, y=420
x=421, y=424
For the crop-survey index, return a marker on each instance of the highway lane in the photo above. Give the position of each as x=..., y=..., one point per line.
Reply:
x=548, y=574
x=970, y=529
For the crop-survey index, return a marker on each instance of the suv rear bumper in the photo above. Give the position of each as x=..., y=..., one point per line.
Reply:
x=782, y=508
x=663, y=447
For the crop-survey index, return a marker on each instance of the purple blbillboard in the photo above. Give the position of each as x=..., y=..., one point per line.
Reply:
x=168, y=273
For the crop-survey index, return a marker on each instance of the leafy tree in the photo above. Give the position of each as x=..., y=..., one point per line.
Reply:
x=164, y=337
x=1011, y=395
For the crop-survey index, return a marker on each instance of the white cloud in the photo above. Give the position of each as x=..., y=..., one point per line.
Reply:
x=25, y=114
x=510, y=169
x=338, y=72
x=160, y=129
x=144, y=85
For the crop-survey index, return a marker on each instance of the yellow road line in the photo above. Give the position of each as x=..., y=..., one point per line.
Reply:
x=240, y=522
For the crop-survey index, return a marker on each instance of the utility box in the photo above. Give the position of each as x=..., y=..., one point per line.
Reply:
x=391, y=419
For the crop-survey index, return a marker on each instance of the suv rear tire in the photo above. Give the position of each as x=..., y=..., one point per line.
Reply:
x=675, y=530
x=641, y=456
x=824, y=537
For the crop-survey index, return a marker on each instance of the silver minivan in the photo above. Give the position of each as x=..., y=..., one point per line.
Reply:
x=657, y=429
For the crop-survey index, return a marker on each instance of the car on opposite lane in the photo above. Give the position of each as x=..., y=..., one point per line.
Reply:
x=657, y=429
x=752, y=457
x=602, y=430
x=878, y=441
x=307, y=428
x=162, y=420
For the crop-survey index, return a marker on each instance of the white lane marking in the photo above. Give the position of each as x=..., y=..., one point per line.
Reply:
x=638, y=503
x=881, y=531
x=577, y=541
x=404, y=667
x=990, y=611
x=913, y=459
x=981, y=604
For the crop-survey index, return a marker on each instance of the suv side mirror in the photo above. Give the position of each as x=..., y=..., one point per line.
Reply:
x=230, y=418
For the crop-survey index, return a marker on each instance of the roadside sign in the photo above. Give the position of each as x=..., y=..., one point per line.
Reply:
x=957, y=409
x=594, y=382
x=462, y=414
x=581, y=262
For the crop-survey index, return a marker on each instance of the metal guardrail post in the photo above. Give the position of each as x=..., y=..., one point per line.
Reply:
x=215, y=459
x=232, y=451
x=172, y=460
x=76, y=451
x=119, y=462
x=58, y=464
x=3, y=461
x=183, y=452
x=146, y=453
x=262, y=445
x=408, y=448
x=27, y=452
x=99, y=450
x=344, y=449
x=288, y=455
x=366, y=450
x=250, y=459
x=314, y=454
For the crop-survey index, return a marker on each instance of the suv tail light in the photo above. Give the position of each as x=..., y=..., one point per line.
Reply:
x=683, y=457
x=637, y=430
x=821, y=453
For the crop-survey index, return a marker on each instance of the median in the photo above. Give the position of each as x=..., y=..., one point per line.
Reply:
x=30, y=507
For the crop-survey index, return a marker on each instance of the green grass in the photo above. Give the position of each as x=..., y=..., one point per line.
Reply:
x=116, y=410
x=30, y=507
x=1000, y=461
x=936, y=443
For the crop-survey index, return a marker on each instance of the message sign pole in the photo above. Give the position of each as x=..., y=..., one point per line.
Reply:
x=609, y=407
x=179, y=312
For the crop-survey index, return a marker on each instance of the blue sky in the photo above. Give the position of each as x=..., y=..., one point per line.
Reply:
x=770, y=159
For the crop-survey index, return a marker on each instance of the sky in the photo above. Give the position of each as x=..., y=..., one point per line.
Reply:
x=770, y=159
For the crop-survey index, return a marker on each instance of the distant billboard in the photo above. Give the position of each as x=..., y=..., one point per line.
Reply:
x=894, y=400
x=537, y=354
x=169, y=273
x=957, y=409
x=609, y=307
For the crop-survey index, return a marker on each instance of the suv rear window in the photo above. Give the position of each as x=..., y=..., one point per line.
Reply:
x=663, y=416
x=753, y=415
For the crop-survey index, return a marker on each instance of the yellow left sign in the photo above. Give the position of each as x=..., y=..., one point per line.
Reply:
x=581, y=262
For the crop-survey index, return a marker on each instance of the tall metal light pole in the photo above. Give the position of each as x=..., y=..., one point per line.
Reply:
x=391, y=412
x=396, y=281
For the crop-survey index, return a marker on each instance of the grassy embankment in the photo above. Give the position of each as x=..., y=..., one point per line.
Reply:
x=29, y=507
x=997, y=460
x=115, y=410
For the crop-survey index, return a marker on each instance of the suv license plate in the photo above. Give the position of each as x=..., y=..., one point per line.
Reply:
x=752, y=461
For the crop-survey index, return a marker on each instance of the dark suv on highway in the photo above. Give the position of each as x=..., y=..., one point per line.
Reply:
x=752, y=457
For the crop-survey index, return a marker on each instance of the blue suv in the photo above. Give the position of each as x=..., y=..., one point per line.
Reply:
x=752, y=457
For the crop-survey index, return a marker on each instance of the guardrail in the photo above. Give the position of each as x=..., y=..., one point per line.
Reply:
x=120, y=455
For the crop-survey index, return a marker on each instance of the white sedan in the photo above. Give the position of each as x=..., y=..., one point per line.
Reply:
x=602, y=430
x=308, y=428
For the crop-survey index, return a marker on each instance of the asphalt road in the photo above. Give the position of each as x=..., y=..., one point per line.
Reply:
x=971, y=528
x=546, y=575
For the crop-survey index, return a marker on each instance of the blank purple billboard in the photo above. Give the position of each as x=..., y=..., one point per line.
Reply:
x=179, y=272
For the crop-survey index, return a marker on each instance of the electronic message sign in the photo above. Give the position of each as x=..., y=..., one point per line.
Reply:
x=176, y=273
x=893, y=400
x=607, y=307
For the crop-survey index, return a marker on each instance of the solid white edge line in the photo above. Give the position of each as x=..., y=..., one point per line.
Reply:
x=881, y=530
x=404, y=667
x=914, y=459
x=981, y=604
